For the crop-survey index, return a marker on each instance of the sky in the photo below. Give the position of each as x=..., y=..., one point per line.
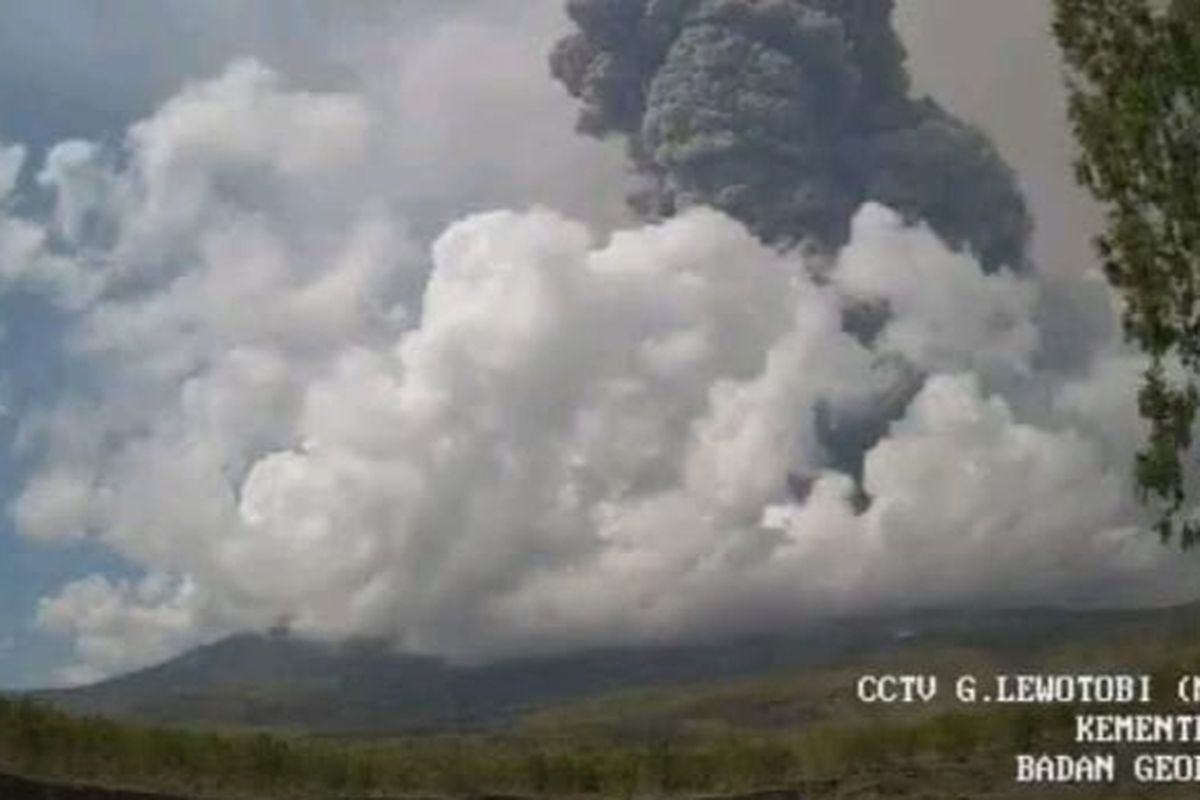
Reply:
x=995, y=64
x=71, y=70
x=313, y=315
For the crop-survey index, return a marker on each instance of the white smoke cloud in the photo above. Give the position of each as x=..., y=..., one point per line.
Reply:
x=120, y=623
x=12, y=159
x=530, y=435
x=948, y=316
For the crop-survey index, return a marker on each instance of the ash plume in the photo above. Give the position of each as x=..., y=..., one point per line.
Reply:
x=533, y=433
x=786, y=114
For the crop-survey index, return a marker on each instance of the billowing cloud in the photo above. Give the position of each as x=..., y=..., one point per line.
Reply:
x=788, y=116
x=115, y=624
x=530, y=433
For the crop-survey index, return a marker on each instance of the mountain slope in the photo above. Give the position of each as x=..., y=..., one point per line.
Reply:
x=279, y=681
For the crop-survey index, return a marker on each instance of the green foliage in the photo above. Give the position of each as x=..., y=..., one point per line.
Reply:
x=1135, y=111
x=39, y=740
x=799, y=728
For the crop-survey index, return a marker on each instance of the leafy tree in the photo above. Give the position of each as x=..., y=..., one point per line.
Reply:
x=1134, y=80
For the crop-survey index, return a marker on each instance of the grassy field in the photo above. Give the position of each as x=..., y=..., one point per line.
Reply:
x=804, y=730
x=36, y=740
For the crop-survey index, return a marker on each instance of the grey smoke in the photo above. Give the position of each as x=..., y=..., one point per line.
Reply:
x=786, y=114
x=789, y=115
x=538, y=434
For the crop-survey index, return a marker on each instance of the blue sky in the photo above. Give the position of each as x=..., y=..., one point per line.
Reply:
x=47, y=96
x=73, y=69
x=29, y=571
x=81, y=70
